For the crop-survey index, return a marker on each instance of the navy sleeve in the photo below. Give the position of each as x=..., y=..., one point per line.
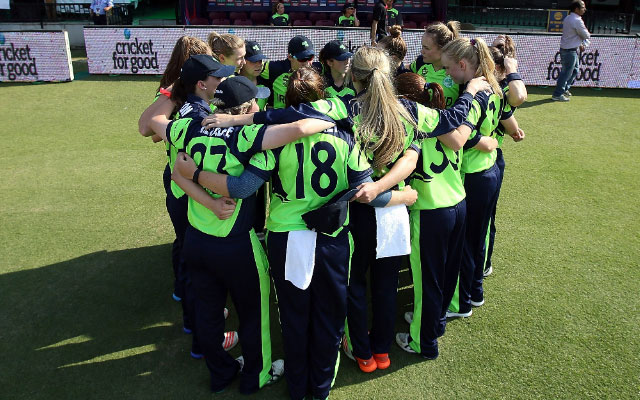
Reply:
x=380, y=201
x=453, y=117
x=357, y=178
x=289, y=114
x=243, y=186
x=472, y=142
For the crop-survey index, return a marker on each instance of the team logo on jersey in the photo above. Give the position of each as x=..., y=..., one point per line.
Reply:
x=186, y=109
x=447, y=82
x=127, y=33
x=217, y=132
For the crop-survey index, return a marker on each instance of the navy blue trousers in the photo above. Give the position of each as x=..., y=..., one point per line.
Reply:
x=383, y=276
x=492, y=227
x=482, y=192
x=312, y=320
x=228, y=265
x=177, y=209
x=437, y=240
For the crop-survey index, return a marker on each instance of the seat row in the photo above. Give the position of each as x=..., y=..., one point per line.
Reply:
x=411, y=21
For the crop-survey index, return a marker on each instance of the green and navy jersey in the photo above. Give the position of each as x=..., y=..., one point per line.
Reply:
x=394, y=17
x=275, y=75
x=484, y=117
x=430, y=122
x=307, y=173
x=280, y=19
x=331, y=90
x=437, y=176
x=347, y=21
x=507, y=111
x=451, y=89
x=171, y=153
x=221, y=151
x=262, y=103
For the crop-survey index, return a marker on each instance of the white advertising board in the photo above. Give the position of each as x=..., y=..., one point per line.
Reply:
x=608, y=62
x=35, y=56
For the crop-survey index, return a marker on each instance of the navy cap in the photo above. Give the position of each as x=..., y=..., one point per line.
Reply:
x=337, y=51
x=254, y=52
x=300, y=47
x=238, y=90
x=198, y=67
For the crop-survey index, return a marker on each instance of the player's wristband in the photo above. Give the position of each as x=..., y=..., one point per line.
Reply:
x=196, y=174
x=164, y=92
x=513, y=77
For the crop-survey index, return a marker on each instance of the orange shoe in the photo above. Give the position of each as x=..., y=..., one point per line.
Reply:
x=382, y=360
x=367, y=365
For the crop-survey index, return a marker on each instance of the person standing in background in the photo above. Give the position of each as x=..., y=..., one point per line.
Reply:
x=348, y=17
x=379, y=23
x=574, y=32
x=393, y=15
x=279, y=18
x=99, y=10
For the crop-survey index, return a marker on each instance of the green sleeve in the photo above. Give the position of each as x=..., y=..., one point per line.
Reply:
x=428, y=118
x=333, y=108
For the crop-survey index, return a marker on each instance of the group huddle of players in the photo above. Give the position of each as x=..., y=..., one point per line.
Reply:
x=345, y=165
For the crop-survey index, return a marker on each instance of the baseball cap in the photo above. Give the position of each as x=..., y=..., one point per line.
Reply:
x=238, y=90
x=337, y=51
x=199, y=66
x=300, y=47
x=254, y=52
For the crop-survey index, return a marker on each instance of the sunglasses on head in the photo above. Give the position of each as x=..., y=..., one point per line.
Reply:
x=310, y=58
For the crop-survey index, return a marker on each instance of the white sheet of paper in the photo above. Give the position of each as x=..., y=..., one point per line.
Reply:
x=393, y=233
x=301, y=258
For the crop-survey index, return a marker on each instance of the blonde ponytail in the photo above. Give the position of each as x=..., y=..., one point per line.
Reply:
x=380, y=128
x=476, y=52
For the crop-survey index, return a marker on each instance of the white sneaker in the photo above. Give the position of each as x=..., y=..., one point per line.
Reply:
x=345, y=348
x=451, y=314
x=487, y=271
x=562, y=97
x=408, y=316
x=567, y=94
x=277, y=371
x=477, y=303
x=402, y=339
x=230, y=340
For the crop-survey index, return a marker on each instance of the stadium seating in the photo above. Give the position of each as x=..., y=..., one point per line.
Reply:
x=297, y=15
x=302, y=22
x=246, y=22
x=199, y=21
x=217, y=15
x=259, y=18
x=237, y=15
x=220, y=21
x=325, y=22
x=409, y=25
x=317, y=16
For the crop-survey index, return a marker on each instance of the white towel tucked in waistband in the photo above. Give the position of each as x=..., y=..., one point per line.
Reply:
x=393, y=235
x=301, y=258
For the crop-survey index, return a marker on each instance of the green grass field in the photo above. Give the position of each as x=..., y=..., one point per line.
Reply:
x=86, y=279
